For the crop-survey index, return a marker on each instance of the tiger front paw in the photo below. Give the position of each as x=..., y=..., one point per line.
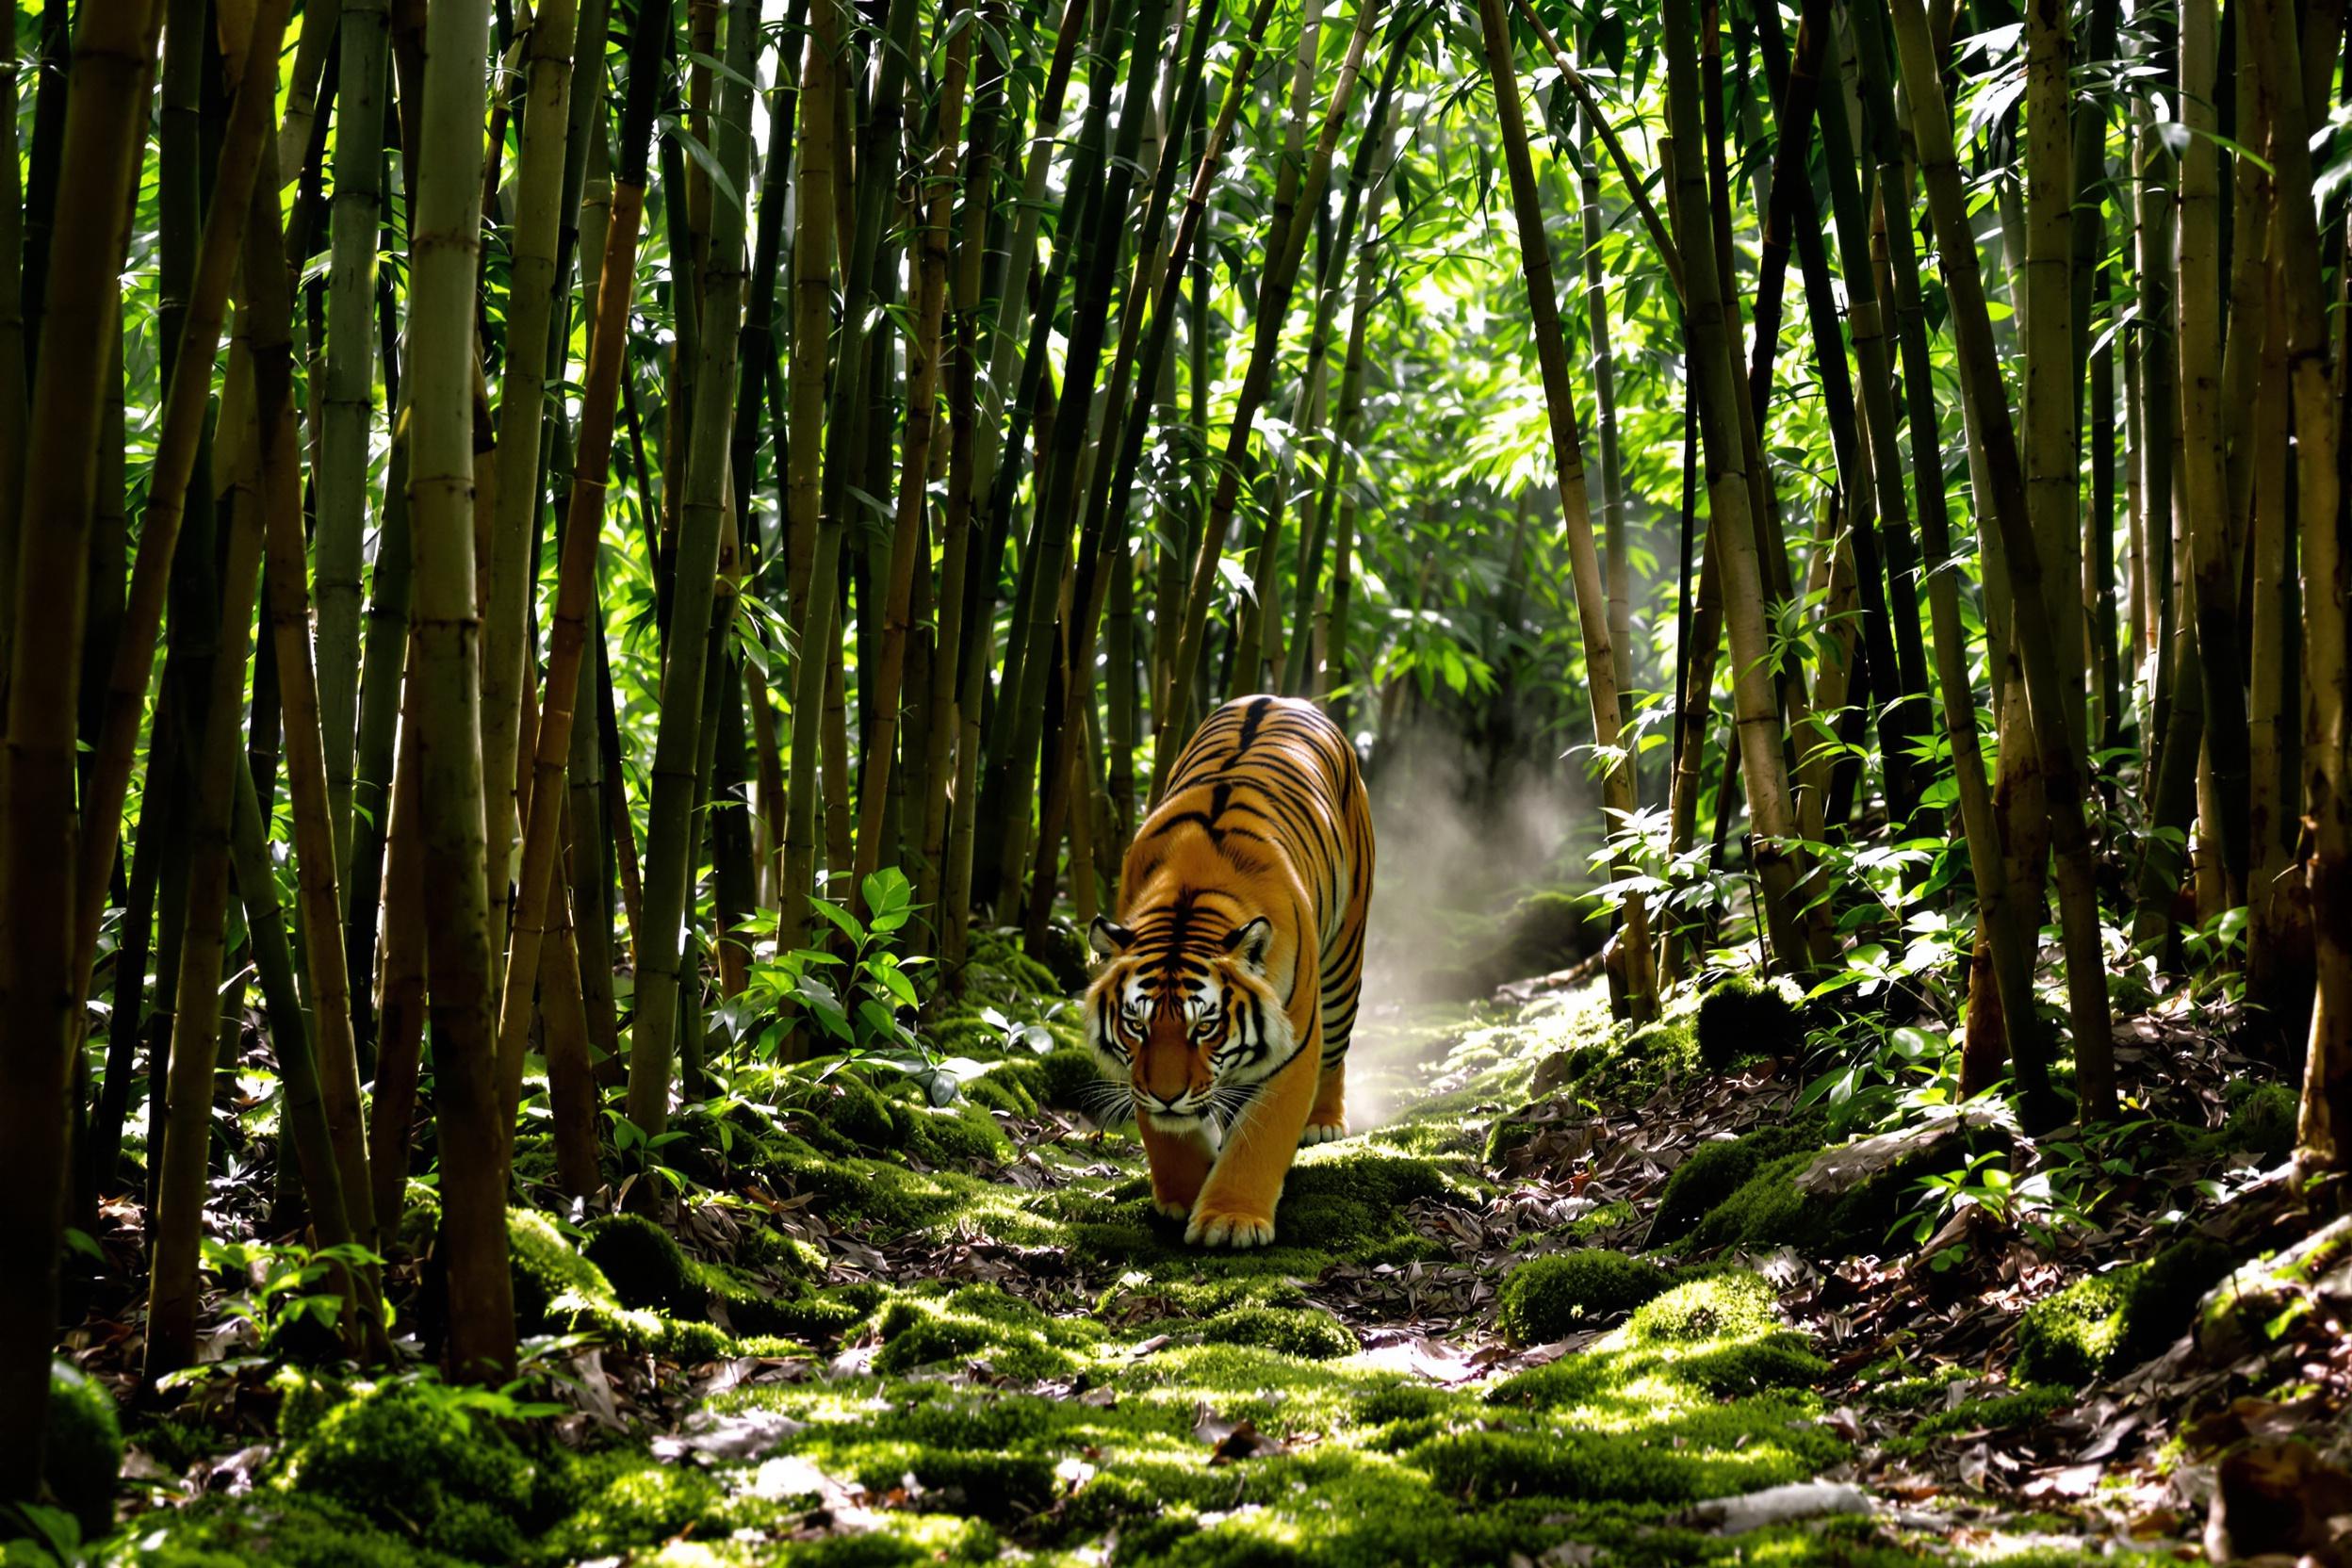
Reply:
x=1168, y=1208
x=1322, y=1132
x=1220, y=1227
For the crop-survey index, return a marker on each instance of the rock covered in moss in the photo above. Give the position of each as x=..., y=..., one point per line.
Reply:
x=81, y=1449
x=2105, y=1323
x=1550, y=1298
x=2238, y=1313
x=558, y=1291
x=1072, y=1082
x=1717, y=1169
x=1293, y=1330
x=1749, y=1015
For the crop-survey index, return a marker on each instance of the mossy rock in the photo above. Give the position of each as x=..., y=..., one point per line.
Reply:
x=2262, y=1123
x=2105, y=1323
x=1749, y=1015
x=416, y=1463
x=1292, y=1331
x=1716, y=1170
x=558, y=1291
x=1071, y=1080
x=81, y=1449
x=644, y=1265
x=1770, y=1210
x=1550, y=1298
x=2254, y=1302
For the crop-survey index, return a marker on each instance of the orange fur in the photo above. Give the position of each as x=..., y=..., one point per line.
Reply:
x=1234, y=970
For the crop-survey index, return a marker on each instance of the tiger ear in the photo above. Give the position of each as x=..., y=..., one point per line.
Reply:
x=1250, y=942
x=1109, y=940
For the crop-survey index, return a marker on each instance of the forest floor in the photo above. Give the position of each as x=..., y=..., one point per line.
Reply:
x=1569, y=1298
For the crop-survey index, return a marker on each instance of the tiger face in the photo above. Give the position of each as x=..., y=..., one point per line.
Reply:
x=1187, y=1030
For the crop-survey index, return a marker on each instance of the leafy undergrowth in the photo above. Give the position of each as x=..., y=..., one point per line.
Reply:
x=1575, y=1290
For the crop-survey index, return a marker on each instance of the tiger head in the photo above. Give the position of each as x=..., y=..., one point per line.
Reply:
x=1188, y=1027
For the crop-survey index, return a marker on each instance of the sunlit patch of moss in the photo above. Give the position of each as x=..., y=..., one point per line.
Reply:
x=423, y=1466
x=1921, y=1393
x=2018, y=1407
x=1716, y=1169
x=1550, y=1297
x=1292, y=1331
x=1600, y=1220
x=618, y=1502
x=1715, y=1336
x=282, y=1531
x=2103, y=1323
x=558, y=1291
x=978, y=1323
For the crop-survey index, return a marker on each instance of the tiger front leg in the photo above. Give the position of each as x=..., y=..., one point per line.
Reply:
x=1236, y=1207
x=1180, y=1162
x=1328, y=1120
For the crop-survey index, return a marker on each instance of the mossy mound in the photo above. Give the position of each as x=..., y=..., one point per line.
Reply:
x=1770, y=1210
x=642, y=1264
x=558, y=1291
x=1717, y=1336
x=2261, y=1123
x=1292, y=1331
x=282, y=1530
x=2105, y=1323
x=1716, y=1170
x=979, y=1324
x=1749, y=1015
x=81, y=1449
x=1549, y=1298
x=418, y=1464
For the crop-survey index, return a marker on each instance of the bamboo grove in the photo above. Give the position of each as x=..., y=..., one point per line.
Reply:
x=531, y=529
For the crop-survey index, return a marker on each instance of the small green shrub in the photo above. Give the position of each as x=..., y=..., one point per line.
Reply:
x=2262, y=1124
x=1549, y=1298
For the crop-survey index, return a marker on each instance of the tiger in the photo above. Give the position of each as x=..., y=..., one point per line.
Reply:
x=1229, y=984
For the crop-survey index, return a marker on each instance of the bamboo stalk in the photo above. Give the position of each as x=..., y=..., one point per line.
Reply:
x=669, y=837
x=444, y=668
x=576, y=570
x=43, y=973
x=2086, y=972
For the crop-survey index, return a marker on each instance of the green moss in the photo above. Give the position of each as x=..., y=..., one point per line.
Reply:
x=1748, y=1015
x=1293, y=1330
x=558, y=1291
x=1717, y=1336
x=1071, y=1077
x=1715, y=1170
x=2262, y=1123
x=2019, y=1407
x=975, y=1324
x=623, y=1501
x=81, y=1449
x=1767, y=1210
x=642, y=1264
x=2103, y=1323
x=283, y=1531
x=1698, y=1451
x=961, y=1133
x=416, y=1463
x=1604, y=1218
x=1549, y=1298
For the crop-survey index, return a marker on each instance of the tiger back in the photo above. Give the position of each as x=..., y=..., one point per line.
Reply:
x=1231, y=980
